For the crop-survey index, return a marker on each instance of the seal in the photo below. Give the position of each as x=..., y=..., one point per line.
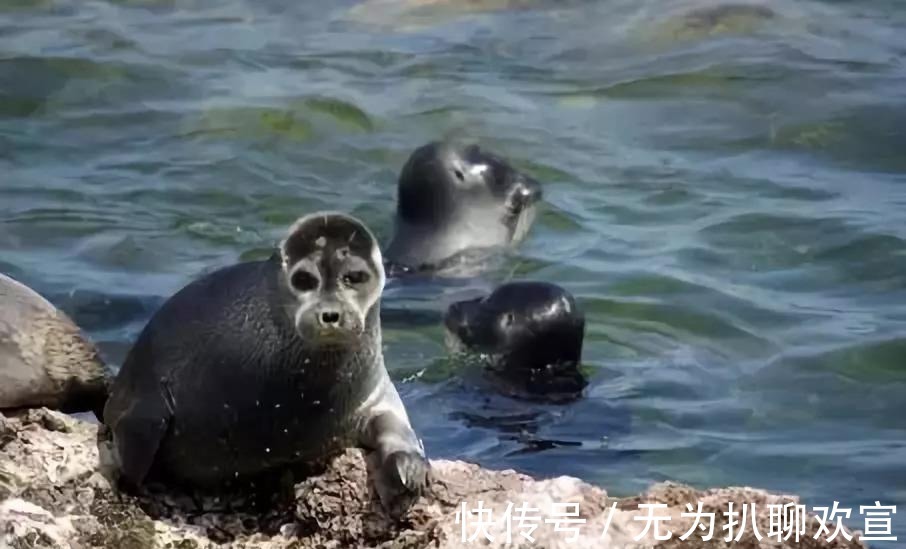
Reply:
x=530, y=335
x=454, y=199
x=45, y=359
x=264, y=365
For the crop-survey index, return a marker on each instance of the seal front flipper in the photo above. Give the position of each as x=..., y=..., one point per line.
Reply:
x=402, y=480
x=403, y=472
x=137, y=433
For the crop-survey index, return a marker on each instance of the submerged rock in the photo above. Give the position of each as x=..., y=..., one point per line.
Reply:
x=56, y=492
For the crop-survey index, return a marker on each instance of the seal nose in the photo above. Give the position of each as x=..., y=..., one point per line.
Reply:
x=524, y=192
x=529, y=190
x=329, y=317
x=460, y=318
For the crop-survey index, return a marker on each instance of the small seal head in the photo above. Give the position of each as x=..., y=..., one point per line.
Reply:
x=333, y=272
x=530, y=334
x=452, y=198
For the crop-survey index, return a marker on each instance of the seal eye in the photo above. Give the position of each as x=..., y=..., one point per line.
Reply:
x=459, y=175
x=303, y=281
x=353, y=278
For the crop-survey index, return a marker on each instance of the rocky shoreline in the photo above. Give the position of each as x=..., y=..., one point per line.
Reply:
x=56, y=492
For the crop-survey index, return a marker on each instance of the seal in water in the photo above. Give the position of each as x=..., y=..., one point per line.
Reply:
x=268, y=364
x=45, y=360
x=453, y=199
x=530, y=334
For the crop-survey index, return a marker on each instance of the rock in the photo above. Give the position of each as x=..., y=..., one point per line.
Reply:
x=45, y=359
x=56, y=492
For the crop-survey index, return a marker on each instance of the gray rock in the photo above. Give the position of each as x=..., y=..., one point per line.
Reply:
x=45, y=360
x=57, y=493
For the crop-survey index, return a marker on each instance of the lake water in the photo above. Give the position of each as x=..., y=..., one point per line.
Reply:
x=725, y=195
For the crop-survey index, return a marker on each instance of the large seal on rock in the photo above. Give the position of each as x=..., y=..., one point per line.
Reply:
x=530, y=335
x=267, y=364
x=45, y=360
x=454, y=200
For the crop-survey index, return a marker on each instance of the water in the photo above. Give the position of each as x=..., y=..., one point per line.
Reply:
x=725, y=196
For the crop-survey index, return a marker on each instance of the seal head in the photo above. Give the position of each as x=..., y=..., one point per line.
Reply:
x=455, y=198
x=334, y=275
x=530, y=335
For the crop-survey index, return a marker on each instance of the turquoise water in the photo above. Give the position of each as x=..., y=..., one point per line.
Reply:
x=725, y=196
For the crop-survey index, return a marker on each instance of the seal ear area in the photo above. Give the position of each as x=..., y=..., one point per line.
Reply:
x=437, y=169
x=325, y=231
x=550, y=352
x=471, y=167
